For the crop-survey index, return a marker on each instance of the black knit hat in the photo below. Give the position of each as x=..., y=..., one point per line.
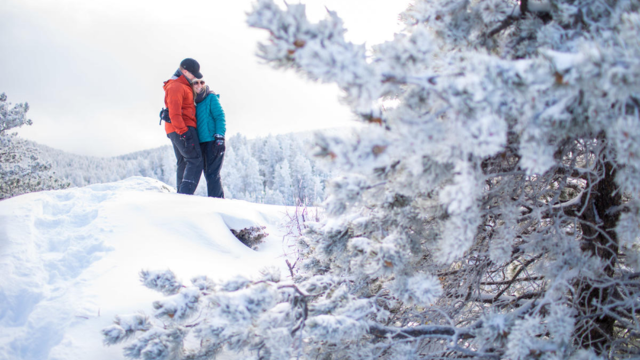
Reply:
x=191, y=66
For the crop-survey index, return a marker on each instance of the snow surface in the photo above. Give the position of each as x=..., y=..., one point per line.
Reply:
x=70, y=259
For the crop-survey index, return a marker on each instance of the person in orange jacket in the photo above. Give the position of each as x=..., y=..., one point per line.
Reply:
x=181, y=130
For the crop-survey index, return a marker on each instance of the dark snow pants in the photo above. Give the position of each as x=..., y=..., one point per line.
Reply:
x=213, y=158
x=189, y=160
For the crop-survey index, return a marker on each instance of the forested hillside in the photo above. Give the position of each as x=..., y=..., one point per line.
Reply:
x=272, y=169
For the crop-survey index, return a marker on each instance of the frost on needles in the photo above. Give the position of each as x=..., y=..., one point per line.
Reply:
x=491, y=211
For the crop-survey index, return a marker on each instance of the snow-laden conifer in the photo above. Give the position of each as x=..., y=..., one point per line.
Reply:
x=505, y=168
x=21, y=170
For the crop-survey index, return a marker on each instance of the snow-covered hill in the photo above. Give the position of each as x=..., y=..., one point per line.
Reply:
x=70, y=259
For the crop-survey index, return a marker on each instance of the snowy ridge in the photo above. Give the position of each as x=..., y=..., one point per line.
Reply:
x=71, y=259
x=272, y=170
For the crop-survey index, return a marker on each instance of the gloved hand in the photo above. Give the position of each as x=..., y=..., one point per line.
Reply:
x=164, y=115
x=218, y=139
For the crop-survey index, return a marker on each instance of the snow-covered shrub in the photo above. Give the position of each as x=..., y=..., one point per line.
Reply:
x=491, y=211
x=251, y=236
x=21, y=171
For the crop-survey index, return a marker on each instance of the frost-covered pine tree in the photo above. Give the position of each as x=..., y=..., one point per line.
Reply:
x=251, y=186
x=491, y=211
x=283, y=182
x=302, y=176
x=20, y=169
x=270, y=156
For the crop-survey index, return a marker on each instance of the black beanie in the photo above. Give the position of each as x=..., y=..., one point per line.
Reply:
x=191, y=66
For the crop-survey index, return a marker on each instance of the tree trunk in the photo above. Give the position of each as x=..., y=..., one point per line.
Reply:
x=599, y=239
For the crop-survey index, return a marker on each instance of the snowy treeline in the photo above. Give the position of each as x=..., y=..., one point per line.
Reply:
x=82, y=170
x=273, y=169
x=493, y=213
x=21, y=169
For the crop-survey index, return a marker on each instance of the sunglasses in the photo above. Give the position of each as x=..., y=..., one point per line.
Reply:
x=196, y=82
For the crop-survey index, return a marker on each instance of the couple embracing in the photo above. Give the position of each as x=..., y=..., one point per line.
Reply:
x=196, y=129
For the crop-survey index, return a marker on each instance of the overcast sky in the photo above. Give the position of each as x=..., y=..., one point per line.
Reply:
x=92, y=70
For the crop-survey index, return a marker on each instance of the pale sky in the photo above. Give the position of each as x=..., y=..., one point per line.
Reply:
x=92, y=70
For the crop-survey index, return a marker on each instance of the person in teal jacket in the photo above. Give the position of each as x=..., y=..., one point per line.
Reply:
x=211, y=126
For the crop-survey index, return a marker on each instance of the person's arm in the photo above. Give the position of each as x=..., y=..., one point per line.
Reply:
x=217, y=113
x=174, y=104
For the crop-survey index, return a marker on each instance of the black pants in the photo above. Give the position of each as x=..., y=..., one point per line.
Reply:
x=213, y=158
x=189, y=160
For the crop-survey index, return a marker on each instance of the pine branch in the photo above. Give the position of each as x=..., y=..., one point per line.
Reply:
x=507, y=282
x=541, y=10
x=440, y=332
x=520, y=270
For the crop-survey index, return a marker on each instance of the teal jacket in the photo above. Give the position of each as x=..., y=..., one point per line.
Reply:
x=210, y=117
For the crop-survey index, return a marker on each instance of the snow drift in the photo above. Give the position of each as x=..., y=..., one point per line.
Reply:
x=71, y=259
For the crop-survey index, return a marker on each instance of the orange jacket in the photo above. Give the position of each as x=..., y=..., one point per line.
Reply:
x=178, y=98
